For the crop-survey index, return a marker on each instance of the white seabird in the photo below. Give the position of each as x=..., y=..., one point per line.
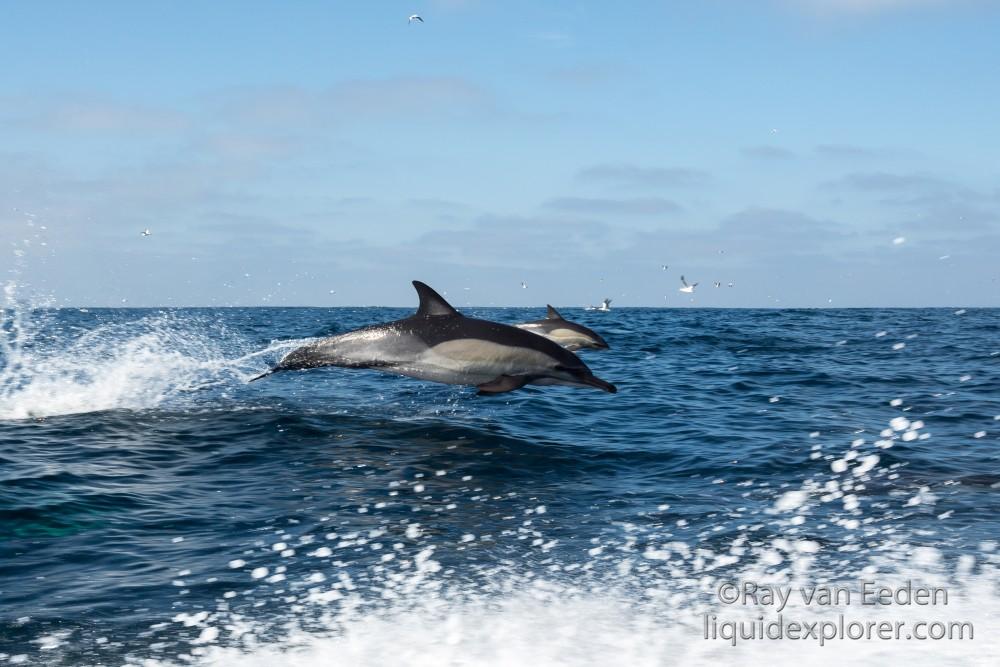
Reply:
x=414, y=18
x=146, y=232
x=687, y=289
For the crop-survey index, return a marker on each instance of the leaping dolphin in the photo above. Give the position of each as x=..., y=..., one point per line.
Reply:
x=570, y=335
x=441, y=345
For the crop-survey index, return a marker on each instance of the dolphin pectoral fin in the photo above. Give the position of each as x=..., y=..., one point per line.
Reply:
x=502, y=384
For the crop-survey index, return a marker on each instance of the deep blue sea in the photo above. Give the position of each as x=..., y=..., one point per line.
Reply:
x=155, y=509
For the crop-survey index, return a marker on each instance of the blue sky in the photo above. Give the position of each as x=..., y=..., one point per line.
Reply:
x=812, y=152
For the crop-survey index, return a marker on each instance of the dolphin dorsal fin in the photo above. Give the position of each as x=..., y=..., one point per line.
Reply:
x=432, y=304
x=552, y=314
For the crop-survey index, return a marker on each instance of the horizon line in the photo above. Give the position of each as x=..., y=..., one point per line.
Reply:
x=412, y=307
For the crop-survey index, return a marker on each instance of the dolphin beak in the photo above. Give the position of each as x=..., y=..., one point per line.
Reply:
x=594, y=381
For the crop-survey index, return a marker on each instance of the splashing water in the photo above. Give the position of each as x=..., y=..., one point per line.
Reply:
x=126, y=362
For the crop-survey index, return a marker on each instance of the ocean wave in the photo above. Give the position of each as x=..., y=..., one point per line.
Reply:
x=158, y=510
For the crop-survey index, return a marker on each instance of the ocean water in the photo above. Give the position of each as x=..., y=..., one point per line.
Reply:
x=155, y=509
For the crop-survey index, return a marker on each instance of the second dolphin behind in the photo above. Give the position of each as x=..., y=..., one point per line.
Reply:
x=571, y=335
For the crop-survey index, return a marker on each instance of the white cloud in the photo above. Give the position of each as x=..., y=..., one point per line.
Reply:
x=88, y=113
x=768, y=153
x=635, y=176
x=397, y=97
x=599, y=206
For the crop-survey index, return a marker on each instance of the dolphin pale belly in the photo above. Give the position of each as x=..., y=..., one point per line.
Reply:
x=570, y=335
x=440, y=344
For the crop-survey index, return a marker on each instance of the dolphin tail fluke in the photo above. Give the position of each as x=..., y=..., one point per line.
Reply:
x=263, y=375
x=295, y=360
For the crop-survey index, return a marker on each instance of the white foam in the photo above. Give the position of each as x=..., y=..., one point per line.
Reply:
x=547, y=622
x=132, y=365
x=790, y=500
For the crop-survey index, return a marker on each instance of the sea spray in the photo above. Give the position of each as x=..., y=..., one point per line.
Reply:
x=113, y=359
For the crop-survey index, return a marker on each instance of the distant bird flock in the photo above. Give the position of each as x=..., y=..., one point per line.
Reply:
x=605, y=305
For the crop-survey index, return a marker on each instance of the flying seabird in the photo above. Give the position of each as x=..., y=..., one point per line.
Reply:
x=146, y=232
x=413, y=18
x=687, y=289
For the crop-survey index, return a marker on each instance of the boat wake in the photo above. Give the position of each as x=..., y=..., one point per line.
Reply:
x=123, y=361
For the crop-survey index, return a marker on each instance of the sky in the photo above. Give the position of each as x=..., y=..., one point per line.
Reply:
x=813, y=153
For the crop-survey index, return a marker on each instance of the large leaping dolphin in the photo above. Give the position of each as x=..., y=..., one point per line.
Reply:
x=570, y=335
x=441, y=345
